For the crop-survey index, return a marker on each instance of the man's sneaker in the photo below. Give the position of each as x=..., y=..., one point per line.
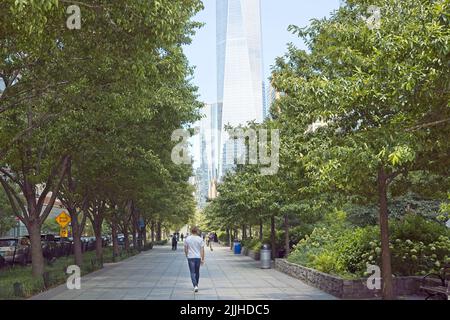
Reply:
x=195, y=289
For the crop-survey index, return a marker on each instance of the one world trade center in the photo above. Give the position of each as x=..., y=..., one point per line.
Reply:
x=240, y=86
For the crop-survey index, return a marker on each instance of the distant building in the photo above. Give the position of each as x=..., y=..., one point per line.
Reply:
x=202, y=175
x=208, y=140
x=266, y=106
x=240, y=87
x=272, y=96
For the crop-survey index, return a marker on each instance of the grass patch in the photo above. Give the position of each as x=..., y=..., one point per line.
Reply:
x=18, y=283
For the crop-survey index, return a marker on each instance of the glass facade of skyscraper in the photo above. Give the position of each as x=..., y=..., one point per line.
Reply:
x=208, y=141
x=239, y=68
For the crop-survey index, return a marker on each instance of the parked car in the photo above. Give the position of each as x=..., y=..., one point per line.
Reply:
x=48, y=246
x=121, y=240
x=88, y=243
x=106, y=240
x=15, y=250
x=64, y=247
x=51, y=249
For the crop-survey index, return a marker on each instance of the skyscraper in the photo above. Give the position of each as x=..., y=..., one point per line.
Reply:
x=239, y=67
x=207, y=140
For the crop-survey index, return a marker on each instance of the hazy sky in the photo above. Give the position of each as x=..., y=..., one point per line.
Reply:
x=277, y=15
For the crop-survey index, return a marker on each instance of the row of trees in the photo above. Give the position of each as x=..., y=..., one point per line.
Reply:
x=86, y=115
x=382, y=99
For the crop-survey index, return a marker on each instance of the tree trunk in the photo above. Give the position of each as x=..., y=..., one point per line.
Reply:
x=76, y=234
x=126, y=241
x=98, y=243
x=158, y=231
x=244, y=232
x=135, y=244
x=250, y=231
x=286, y=235
x=71, y=206
x=115, y=241
x=260, y=230
x=272, y=236
x=37, y=257
x=232, y=237
x=77, y=245
x=386, y=268
x=228, y=236
x=152, y=227
x=144, y=235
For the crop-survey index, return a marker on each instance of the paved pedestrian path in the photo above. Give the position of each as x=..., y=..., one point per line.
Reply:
x=163, y=274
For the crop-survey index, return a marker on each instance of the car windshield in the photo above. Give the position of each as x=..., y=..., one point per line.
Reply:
x=8, y=243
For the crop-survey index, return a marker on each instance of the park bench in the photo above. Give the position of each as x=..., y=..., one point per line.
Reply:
x=440, y=286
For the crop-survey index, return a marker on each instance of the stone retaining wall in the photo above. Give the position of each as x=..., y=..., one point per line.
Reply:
x=345, y=289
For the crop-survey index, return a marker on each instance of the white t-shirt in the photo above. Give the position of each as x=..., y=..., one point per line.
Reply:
x=194, y=244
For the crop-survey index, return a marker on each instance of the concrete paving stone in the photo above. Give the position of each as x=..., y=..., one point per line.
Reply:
x=162, y=274
x=210, y=297
x=158, y=297
x=229, y=298
x=182, y=297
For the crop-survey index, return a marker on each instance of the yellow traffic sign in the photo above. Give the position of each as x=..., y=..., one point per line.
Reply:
x=63, y=219
x=64, y=233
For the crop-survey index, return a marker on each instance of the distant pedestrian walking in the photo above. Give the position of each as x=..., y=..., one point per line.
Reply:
x=194, y=248
x=211, y=240
x=174, y=242
x=182, y=237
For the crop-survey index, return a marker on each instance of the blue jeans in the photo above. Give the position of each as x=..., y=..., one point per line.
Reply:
x=194, y=268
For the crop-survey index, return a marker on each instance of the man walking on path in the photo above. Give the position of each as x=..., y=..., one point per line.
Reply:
x=211, y=240
x=174, y=242
x=194, y=248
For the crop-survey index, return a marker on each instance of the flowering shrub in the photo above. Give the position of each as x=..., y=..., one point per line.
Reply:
x=418, y=246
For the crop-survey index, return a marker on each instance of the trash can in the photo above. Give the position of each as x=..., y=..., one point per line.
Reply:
x=265, y=256
x=237, y=247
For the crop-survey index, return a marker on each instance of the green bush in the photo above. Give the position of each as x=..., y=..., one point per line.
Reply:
x=349, y=248
x=337, y=251
x=252, y=244
x=417, y=228
x=222, y=237
x=308, y=249
x=325, y=261
x=418, y=246
x=299, y=232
